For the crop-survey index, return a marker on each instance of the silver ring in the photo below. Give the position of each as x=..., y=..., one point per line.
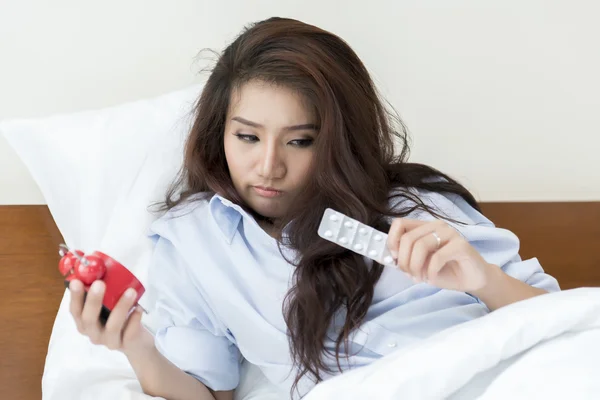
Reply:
x=437, y=238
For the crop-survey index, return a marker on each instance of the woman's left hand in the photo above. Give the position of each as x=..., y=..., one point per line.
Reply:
x=436, y=253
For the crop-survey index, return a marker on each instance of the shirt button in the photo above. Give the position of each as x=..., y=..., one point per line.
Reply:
x=392, y=344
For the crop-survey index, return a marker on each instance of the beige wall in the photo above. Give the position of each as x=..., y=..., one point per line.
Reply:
x=500, y=94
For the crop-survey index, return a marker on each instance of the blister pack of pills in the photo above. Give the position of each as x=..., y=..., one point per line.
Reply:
x=356, y=236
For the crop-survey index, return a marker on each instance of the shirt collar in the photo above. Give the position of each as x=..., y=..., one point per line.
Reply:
x=226, y=215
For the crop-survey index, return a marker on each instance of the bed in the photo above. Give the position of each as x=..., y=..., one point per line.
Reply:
x=563, y=236
x=97, y=200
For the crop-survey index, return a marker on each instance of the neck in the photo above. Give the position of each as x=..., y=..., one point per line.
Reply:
x=268, y=225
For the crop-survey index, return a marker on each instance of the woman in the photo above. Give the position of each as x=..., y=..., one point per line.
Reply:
x=289, y=124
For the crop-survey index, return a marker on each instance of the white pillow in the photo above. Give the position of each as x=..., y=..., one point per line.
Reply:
x=100, y=170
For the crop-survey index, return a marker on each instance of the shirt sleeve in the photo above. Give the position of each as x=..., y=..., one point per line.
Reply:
x=187, y=332
x=496, y=245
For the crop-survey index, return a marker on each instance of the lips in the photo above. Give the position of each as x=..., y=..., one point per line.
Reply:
x=266, y=191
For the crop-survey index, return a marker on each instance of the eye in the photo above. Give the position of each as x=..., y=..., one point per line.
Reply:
x=301, y=142
x=247, y=138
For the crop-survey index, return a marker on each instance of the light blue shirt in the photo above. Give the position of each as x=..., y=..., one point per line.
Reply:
x=220, y=283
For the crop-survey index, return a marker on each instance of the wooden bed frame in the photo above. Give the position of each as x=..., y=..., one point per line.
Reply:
x=564, y=236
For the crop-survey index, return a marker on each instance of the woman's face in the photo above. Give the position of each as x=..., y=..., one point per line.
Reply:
x=269, y=136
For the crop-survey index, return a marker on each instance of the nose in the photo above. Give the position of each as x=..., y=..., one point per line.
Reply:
x=271, y=163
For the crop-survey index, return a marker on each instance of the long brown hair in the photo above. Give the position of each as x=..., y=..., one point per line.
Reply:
x=355, y=170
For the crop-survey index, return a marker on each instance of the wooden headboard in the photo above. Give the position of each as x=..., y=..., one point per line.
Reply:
x=30, y=293
x=564, y=236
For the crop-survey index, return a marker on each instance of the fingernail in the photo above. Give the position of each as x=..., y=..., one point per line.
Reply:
x=96, y=287
x=130, y=293
x=394, y=254
x=74, y=286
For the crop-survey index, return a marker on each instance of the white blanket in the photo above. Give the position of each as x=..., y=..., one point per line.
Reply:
x=545, y=347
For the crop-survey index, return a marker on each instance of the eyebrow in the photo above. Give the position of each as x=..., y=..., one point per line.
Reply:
x=301, y=127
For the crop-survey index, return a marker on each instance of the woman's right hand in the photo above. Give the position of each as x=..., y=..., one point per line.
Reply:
x=123, y=331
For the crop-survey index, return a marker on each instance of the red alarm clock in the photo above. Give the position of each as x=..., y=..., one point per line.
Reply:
x=88, y=268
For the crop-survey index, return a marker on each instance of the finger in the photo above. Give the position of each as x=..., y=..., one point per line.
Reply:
x=440, y=258
x=76, y=304
x=423, y=249
x=90, y=316
x=393, y=240
x=397, y=229
x=427, y=245
x=113, y=331
x=134, y=322
x=405, y=251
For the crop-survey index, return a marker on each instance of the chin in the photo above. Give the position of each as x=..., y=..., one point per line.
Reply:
x=268, y=212
x=268, y=208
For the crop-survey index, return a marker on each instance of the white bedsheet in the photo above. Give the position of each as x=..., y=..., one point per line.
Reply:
x=545, y=347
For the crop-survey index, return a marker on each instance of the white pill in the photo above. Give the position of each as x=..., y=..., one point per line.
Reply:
x=377, y=238
x=372, y=253
x=348, y=224
x=328, y=234
x=388, y=260
x=343, y=240
x=358, y=247
x=362, y=231
x=333, y=217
